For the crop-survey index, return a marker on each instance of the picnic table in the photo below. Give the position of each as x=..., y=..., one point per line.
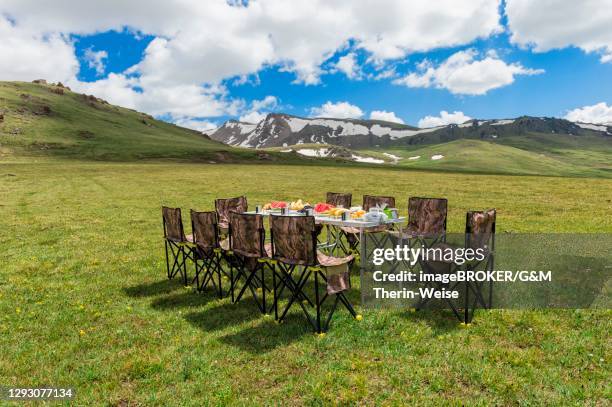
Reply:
x=336, y=222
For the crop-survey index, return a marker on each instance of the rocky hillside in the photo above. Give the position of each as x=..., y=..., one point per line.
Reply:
x=46, y=119
x=278, y=130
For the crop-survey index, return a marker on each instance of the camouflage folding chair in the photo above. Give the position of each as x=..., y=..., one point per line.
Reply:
x=378, y=233
x=426, y=224
x=247, y=245
x=176, y=244
x=337, y=199
x=208, y=251
x=479, y=234
x=225, y=206
x=294, y=246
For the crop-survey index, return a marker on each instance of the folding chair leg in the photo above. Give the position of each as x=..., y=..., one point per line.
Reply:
x=466, y=311
x=218, y=271
x=184, y=268
x=317, y=302
x=167, y=260
x=249, y=284
x=331, y=313
x=263, y=291
x=232, y=282
x=347, y=304
x=274, y=287
x=296, y=290
x=197, y=275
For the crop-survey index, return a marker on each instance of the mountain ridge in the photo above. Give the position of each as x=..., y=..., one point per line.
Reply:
x=281, y=130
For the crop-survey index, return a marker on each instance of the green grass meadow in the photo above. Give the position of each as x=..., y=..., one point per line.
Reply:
x=85, y=302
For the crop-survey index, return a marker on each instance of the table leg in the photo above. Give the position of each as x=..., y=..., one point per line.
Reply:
x=362, y=262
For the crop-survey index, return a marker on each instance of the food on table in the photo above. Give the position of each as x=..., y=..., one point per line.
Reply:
x=298, y=205
x=337, y=211
x=274, y=205
x=331, y=211
x=358, y=214
x=323, y=207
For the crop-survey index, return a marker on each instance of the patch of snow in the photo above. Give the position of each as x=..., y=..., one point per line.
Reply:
x=393, y=157
x=415, y=157
x=348, y=128
x=395, y=134
x=370, y=160
x=243, y=127
x=311, y=152
x=502, y=122
x=592, y=126
x=437, y=157
x=379, y=130
x=468, y=124
x=286, y=151
x=296, y=124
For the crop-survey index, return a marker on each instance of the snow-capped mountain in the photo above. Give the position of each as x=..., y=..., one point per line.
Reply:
x=278, y=130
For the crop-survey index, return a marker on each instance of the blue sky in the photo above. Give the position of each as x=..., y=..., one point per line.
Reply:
x=571, y=79
x=501, y=61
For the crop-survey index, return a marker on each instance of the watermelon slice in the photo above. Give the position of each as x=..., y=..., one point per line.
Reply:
x=322, y=207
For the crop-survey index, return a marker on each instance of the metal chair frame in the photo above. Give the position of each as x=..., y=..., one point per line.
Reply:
x=469, y=305
x=246, y=270
x=426, y=240
x=285, y=273
x=178, y=248
x=207, y=258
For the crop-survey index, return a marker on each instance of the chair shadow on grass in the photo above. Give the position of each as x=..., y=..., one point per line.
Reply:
x=225, y=315
x=164, y=286
x=186, y=299
x=441, y=321
x=269, y=335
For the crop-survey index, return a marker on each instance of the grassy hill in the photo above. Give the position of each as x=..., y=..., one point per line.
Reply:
x=47, y=120
x=519, y=155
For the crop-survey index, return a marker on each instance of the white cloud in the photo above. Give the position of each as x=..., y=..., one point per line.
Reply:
x=199, y=44
x=240, y=40
x=549, y=24
x=255, y=114
x=269, y=102
x=462, y=73
x=252, y=117
x=95, y=60
x=174, y=100
x=348, y=65
x=339, y=110
x=386, y=116
x=444, y=119
x=199, y=125
x=26, y=55
x=599, y=113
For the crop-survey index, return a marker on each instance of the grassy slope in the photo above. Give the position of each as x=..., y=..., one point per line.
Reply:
x=82, y=251
x=521, y=155
x=77, y=129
